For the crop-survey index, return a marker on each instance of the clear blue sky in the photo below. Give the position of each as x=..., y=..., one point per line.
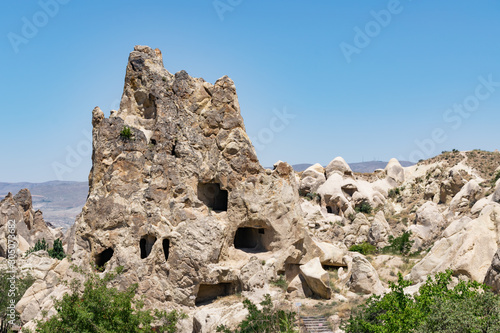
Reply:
x=404, y=75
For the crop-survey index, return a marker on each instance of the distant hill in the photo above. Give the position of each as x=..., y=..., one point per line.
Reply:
x=363, y=167
x=59, y=201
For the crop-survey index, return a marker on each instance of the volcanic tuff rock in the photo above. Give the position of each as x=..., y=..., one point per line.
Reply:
x=181, y=201
x=177, y=196
x=30, y=226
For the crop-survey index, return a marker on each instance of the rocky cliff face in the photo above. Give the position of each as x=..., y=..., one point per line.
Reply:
x=178, y=198
x=29, y=224
x=183, y=203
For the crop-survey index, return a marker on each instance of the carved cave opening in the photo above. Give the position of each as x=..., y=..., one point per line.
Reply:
x=253, y=239
x=2, y=253
x=213, y=196
x=102, y=258
x=146, y=245
x=166, y=248
x=207, y=293
x=146, y=103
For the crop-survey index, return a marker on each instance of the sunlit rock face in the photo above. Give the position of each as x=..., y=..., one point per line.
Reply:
x=181, y=200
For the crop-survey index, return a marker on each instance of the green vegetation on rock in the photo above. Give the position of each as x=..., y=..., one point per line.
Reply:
x=104, y=309
x=468, y=307
x=56, y=251
x=267, y=320
x=363, y=248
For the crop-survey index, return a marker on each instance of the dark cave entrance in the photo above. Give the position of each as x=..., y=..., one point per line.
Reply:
x=146, y=245
x=207, y=293
x=253, y=239
x=213, y=196
x=102, y=258
x=166, y=248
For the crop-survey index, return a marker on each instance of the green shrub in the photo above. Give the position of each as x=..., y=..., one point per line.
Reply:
x=394, y=192
x=126, y=133
x=494, y=180
x=313, y=197
x=39, y=246
x=267, y=320
x=57, y=251
x=364, y=207
x=363, y=248
x=102, y=309
x=468, y=307
x=280, y=282
x=455, y=151
x=399, y=245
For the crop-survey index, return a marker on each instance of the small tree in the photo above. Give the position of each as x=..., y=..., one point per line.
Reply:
x=101, y=309
x=126, y=133
x=468, y=307
x=364, y=207
x=399, y=245
x=39, y=246
x=57, y=251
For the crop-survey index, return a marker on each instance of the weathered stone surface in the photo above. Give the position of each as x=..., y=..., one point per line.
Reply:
x=492, y=277
x=467, y=247
x=395, y=172
x=451, y=186
x=361, y=276
x=429, y=224
x=379, y=231
x=29, y=226
x=338, y=165
x=496, y=195
x=316, y=278
x=183, y=203
x=466, y=197
x=311, y=179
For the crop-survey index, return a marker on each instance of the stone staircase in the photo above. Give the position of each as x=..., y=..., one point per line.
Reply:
x=315, y=325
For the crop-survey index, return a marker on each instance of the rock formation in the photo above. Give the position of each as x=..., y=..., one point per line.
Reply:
x=29, y=224
x=179, y=199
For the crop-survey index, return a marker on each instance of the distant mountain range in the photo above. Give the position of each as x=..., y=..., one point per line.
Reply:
x=59, y=201
x=62, y=201
x=363, y=167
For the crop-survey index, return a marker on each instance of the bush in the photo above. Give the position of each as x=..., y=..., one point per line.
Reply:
x=363, y=248
x=39, y=246
x=57, y=251
x=126, y=133
x=280, y=282
x=468, y=307
x=494, y=180
x=313, y=197
x=102, y=309
x=267, y=320
x=394, y=192
x=399, y=245
x=364, y=207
